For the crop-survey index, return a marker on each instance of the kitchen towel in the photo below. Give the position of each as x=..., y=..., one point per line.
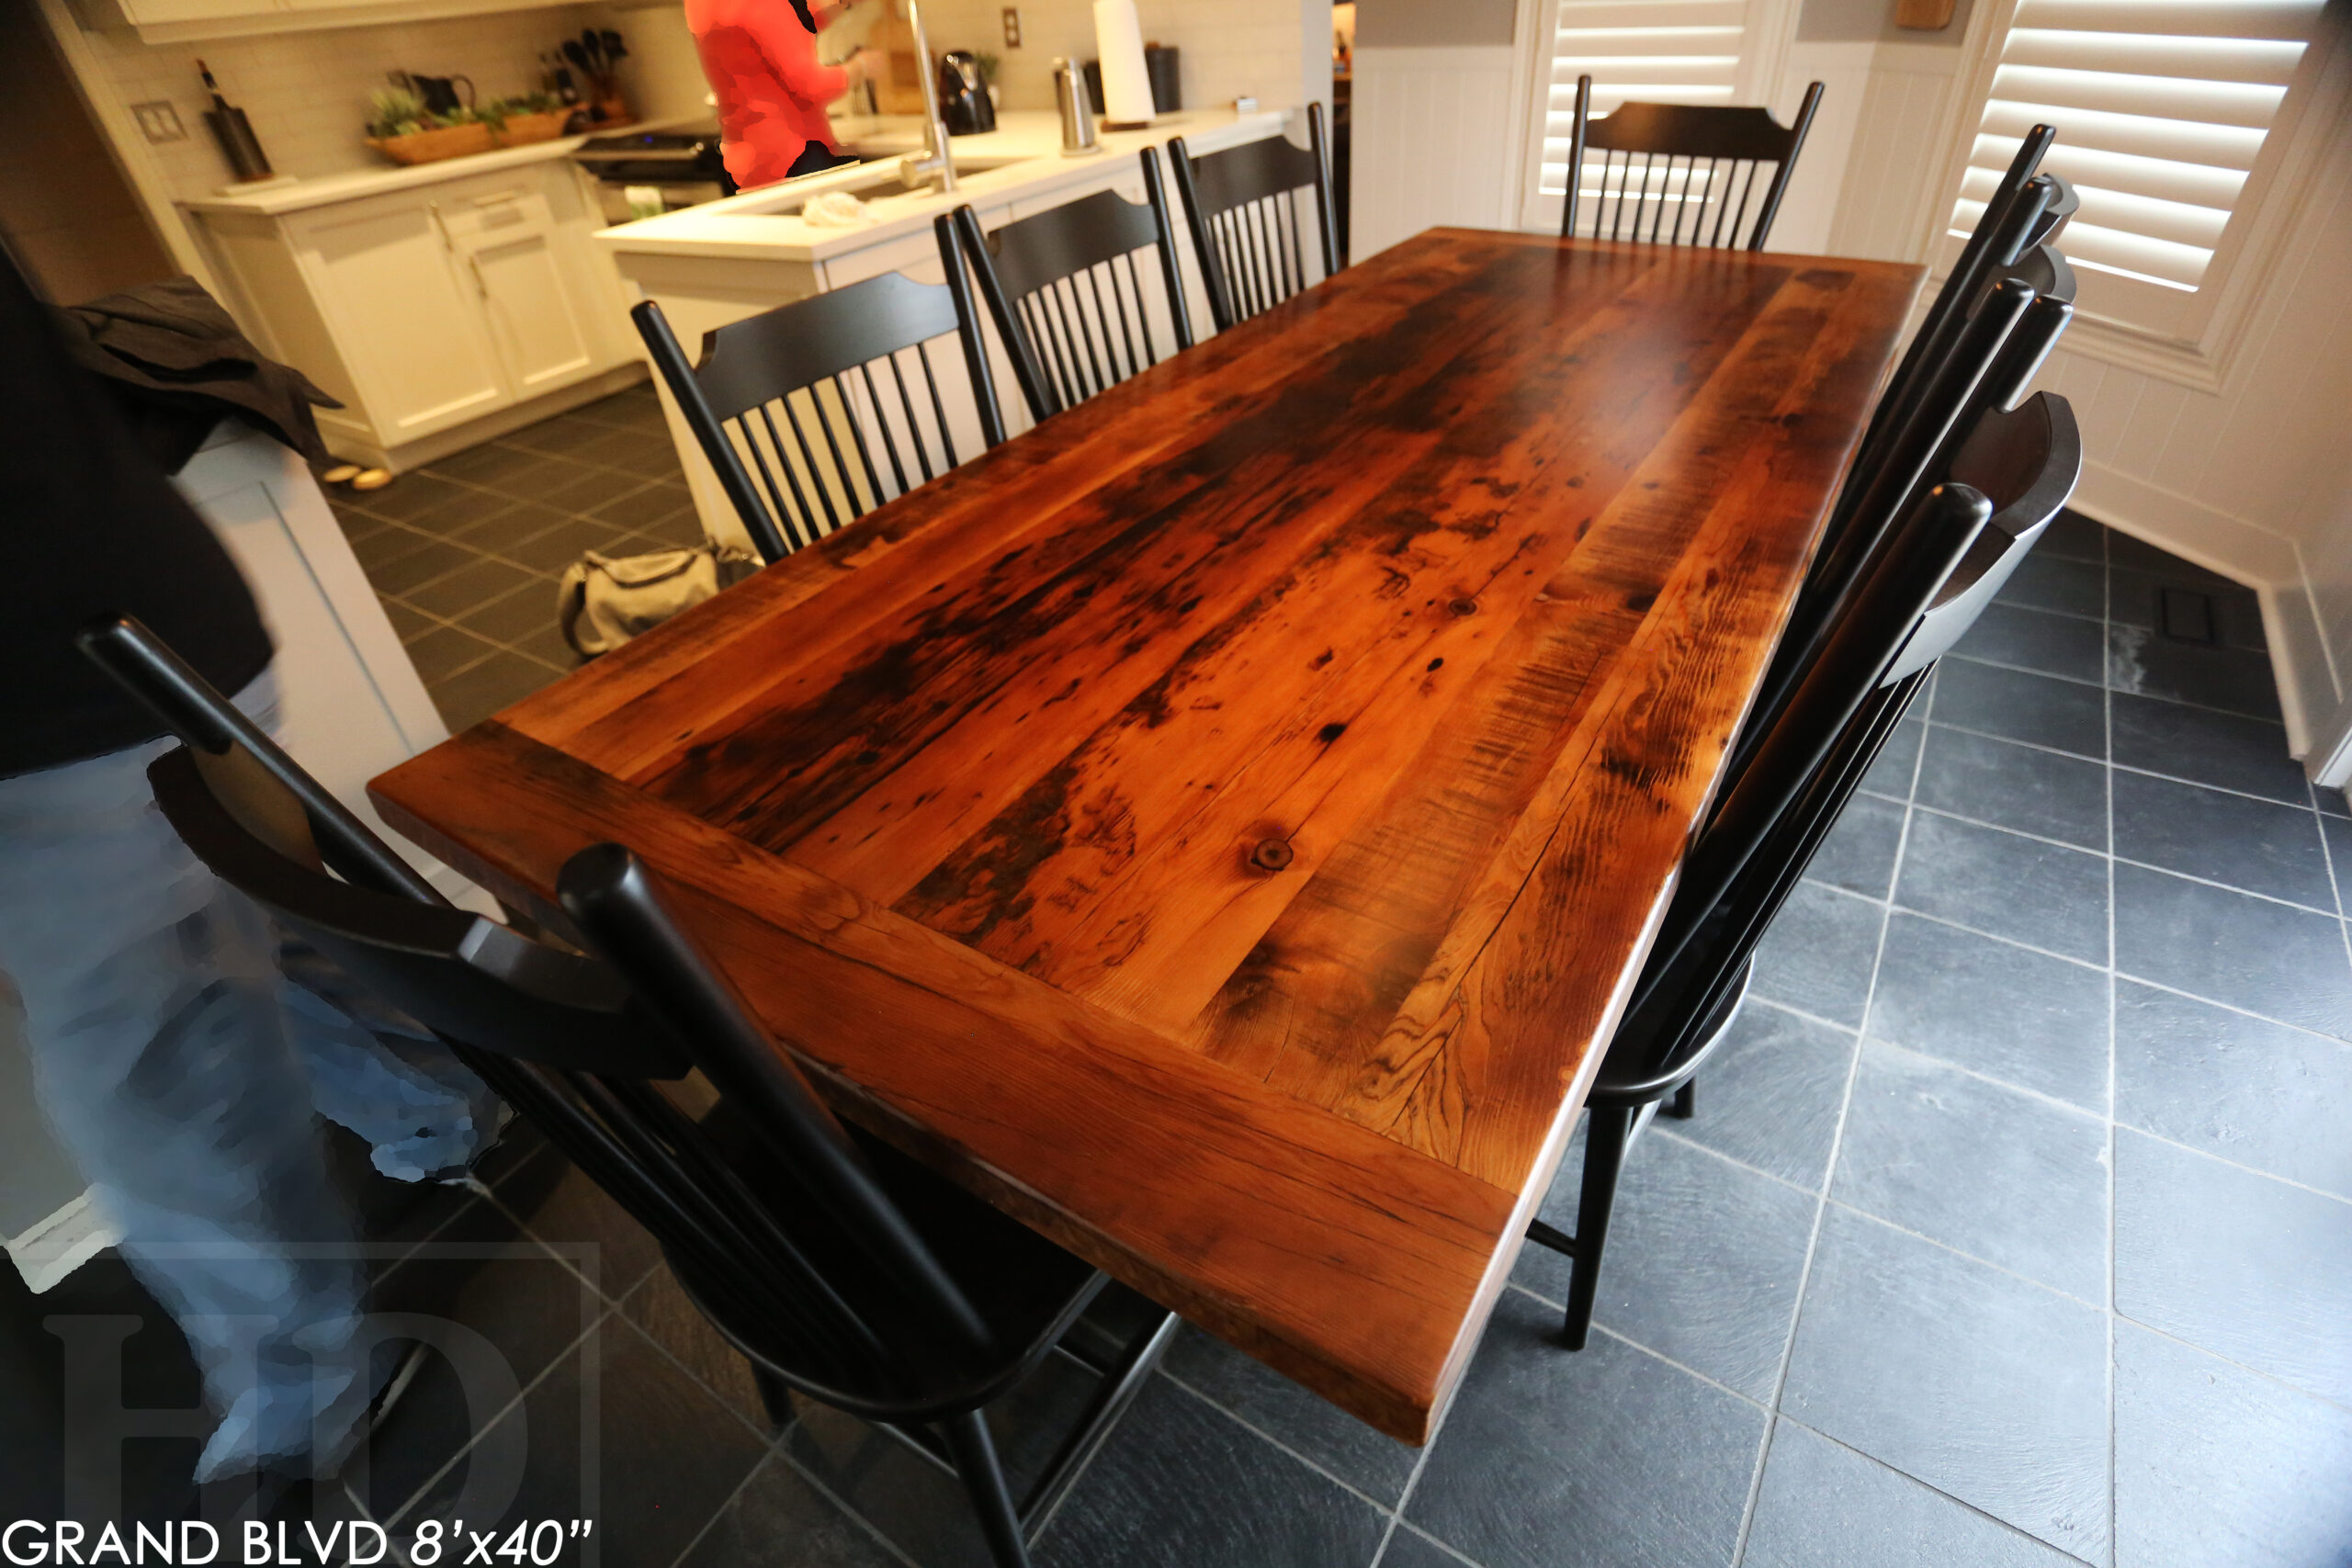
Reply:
x=1127, y=83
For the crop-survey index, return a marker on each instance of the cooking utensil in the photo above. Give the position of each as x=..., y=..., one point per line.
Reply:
x=1076, y=111
x=238, y=143
x=963, y=98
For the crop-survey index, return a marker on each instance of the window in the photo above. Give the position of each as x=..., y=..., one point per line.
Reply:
x=2161, y=107
x=1667, y=51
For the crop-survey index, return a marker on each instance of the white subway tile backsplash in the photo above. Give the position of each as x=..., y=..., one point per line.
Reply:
x=305, y=92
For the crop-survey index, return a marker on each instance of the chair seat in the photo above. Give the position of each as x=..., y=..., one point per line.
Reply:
x=1635, y=1077
x=1026, y=1289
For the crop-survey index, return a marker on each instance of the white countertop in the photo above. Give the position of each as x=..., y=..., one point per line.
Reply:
x=355, y=184
x=1024, y=151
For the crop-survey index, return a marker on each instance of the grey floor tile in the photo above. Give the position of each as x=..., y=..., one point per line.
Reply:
x=1182, y=1484
x=2205, y=747
x=2017, y=705
x=1523, y=1476
x=1981, y=1384
x=516, y=618
x=2235, y=680
x=1992, y=1171
x=1702, y=1263
x=407, y=625
x=441, y=651
x=2011, y=786
x=483, y=465
x=2332, y=801
x=2258, y=845
x=1818, y=955
x=633, y=509
x=584, y=489
x=2024, y=889
x=500, y=681
x=550, y=551
x=410, y=494
x=468, y=588
x=1409, y=1548
x=614, y=1432
x=1370, y=1460
x=1771, y=1095
x=2220, y=1467
x=2272, y=959
x=2026, y=1018
x=577, y=1219
x=682, y=526
x=670, y=1318
x=1859, y=855
x=2335, y=832
x=1891, y=774
x=2235, y=1262
x=1823, y=1506
x=925, y=1512
x=2248, y=1091
x=2047, y=581
x=546, y=646
x=780, y=1520
x=2037, y=641
x=2073, y=536
x=414, y=567
x=2232, y=612
x=386, y=543
x=499, y=531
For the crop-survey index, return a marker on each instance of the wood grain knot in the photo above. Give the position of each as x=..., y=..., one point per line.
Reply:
x=1270, y=854
x=1462, y=606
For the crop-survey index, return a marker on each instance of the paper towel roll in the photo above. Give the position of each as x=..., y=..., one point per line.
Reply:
x=1127, y=84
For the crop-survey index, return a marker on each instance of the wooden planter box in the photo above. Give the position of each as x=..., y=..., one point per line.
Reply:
x=432, y=146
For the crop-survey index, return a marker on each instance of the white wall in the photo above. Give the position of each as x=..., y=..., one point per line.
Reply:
x=1231, y=48
x=1434, y=142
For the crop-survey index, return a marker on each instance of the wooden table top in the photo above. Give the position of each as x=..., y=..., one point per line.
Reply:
x=1222, y=825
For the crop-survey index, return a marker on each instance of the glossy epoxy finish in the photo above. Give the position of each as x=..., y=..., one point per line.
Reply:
x=1221, y=823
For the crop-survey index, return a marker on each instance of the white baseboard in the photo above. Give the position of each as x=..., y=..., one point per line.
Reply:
x=52, y=1249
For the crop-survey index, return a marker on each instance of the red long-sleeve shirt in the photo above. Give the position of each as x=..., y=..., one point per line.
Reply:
x=771, y=90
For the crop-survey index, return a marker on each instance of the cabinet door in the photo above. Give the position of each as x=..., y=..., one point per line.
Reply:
x=505, y=233
x=407, y=322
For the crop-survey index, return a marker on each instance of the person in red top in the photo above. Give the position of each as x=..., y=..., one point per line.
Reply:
x=760, y=58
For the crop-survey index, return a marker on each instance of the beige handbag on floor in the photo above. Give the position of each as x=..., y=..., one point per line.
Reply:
x=606, y=600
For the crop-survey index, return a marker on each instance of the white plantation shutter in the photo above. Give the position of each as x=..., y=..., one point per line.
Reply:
x=1662, y=51
x=2161, y=107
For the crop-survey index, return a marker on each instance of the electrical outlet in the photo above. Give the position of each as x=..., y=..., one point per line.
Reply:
x=159, y=120
x=1013, y=26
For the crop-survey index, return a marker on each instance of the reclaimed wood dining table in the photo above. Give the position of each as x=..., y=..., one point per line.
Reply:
x=1222, y=825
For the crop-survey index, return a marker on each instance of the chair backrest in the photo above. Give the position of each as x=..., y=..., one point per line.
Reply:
x=576, y=1042
x=2013, y=221
x=1051, y=285
x=1637, y=192
x=1242, y=207
x=1943, y=564
x=804, y=394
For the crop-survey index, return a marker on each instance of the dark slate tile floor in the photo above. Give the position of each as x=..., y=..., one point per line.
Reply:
x=465, y=553
x=2014, y=1229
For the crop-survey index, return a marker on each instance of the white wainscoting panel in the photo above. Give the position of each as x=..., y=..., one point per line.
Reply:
x=1893, y=176
x=1432, y=143
x=1809, y=207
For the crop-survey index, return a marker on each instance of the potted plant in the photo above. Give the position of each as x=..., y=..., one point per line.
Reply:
x=403, y=130
x=534, y=117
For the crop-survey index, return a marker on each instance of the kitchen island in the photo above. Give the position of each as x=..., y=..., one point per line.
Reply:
x=722, y=260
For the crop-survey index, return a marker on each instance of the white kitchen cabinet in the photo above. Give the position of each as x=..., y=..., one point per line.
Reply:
x=440, y=313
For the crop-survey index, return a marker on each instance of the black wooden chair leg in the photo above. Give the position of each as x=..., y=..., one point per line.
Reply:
x=774, y=1398
x=975, y=1462
x=1684, y=1105
x=1605, y=1136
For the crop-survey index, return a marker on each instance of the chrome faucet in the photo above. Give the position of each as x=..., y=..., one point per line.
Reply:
x=935, y=163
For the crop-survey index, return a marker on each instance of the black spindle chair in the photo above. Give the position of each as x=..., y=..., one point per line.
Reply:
x=1721, y=149
x=1052, y=285
x=843, y=1270
x=1242, y=207
x=804, y=394
x=1955, y=546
